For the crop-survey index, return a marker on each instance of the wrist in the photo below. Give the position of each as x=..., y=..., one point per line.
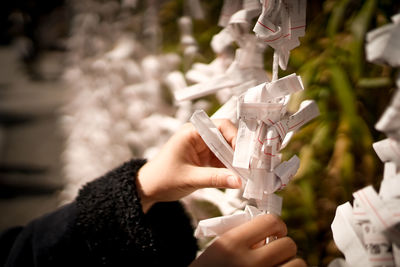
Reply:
x=142, y=180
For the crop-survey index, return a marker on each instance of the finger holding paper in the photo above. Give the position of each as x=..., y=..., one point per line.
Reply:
x=237, y=246
x=185, y=164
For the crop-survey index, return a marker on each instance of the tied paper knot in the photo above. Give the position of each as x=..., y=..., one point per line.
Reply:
x=280, y=25
x=219, y=225
x=261, y=111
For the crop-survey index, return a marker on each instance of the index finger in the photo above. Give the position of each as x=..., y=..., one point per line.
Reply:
x=228, y=130
x=258, y=229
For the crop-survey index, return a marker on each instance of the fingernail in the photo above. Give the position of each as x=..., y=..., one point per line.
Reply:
x=234, y=181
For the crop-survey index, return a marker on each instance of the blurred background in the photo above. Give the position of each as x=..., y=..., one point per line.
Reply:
x=83, y=88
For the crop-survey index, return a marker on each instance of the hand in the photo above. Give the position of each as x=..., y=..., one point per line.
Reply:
x=241, y=246
x=185, y=164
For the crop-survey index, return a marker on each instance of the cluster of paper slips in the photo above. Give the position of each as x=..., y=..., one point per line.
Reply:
x=255, y=104
x=368, y=233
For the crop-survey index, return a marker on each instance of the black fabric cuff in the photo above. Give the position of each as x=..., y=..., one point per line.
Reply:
x=111, y=219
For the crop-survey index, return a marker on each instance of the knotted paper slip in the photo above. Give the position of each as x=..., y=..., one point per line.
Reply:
x=264, y=125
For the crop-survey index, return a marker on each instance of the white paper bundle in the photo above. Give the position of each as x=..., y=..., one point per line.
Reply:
x=383, y=44
x=237, y=74
x=389, y=122
x=280, y=25
x=368, y=234
x=262, y=119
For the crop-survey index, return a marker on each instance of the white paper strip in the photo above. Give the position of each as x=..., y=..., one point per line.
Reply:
x=244, y=147
x=287, y=169
x=390, y=122
x=270, y=203
x=268, y=23
x=201, y=72
x=308, y=110
x=383, y=45
x=346, y=239
x=280, y=25
x=234, y=76
x=359, y=214
x=256, y=184
x=228, y=9
x=175, y=81
x=195, y=9
x=377, y=245
x=338, y=262
x=388, y=150
x=284, y=86
x=219, y=225
x=378, y=213
x=267, y=112
x=216, y=142
x=390, y=188
x=221, y=41
x=389, y=170
x=252, y=5
x=227, y=205
x=227, y=110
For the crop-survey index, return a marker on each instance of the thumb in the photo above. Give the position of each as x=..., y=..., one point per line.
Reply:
x=214, y=177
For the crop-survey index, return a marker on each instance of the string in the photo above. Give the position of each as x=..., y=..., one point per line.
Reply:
x=275, y=66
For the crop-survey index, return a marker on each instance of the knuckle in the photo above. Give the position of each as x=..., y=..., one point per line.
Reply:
x=291, y=245
x=186, y=131
x=228, y=238
x=219, y=121
x=299, y=262
x=272, y=220
x=216, y=180
x=231, y=239
x=224, y=124
x=187, y=127
x=276, y=223
x=296, y=262
x=230, y=252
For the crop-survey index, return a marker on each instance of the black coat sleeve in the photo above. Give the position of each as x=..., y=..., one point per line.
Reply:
x=104, y=226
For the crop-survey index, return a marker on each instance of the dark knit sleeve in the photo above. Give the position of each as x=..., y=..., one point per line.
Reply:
x=105, y=226
x=118, y=233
